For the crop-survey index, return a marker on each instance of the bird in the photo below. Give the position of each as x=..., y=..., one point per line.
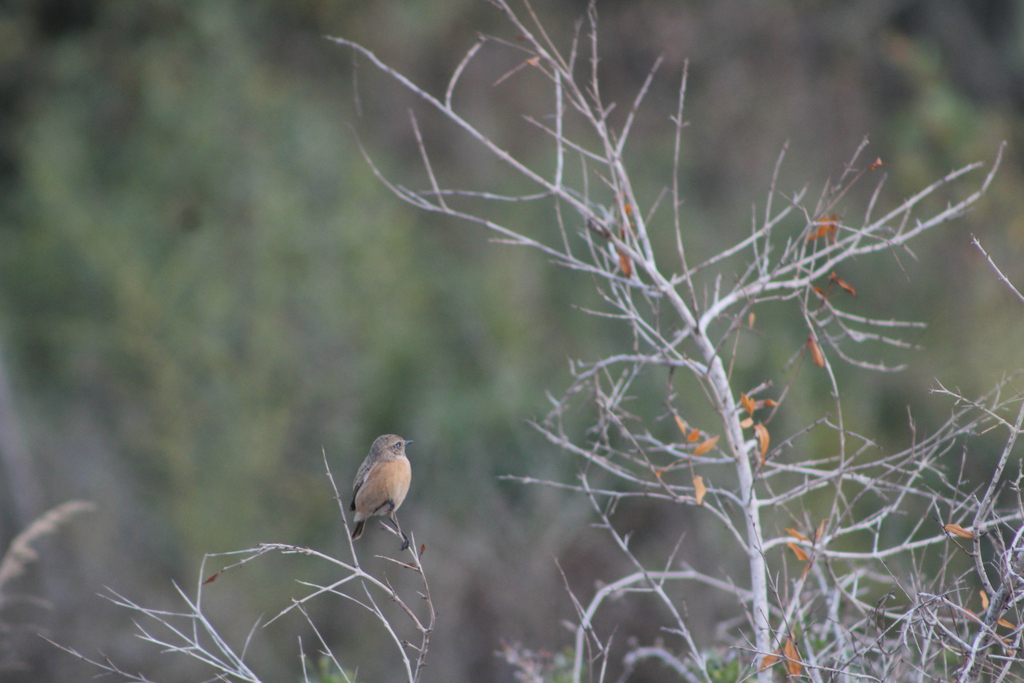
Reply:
x=381, y=484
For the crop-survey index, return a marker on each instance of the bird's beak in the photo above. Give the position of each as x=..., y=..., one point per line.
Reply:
x=408, y=442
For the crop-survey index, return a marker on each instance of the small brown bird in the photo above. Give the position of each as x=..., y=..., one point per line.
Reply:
x=381, y=484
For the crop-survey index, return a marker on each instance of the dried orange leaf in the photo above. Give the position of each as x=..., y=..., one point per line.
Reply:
x=878, y=162
x=796, y=534
x=793, y=664
x=984, y=600
x=1004, y=622
x=699, y=489
x=763, y=439
x=658, y=473
x=748, y=403
x=770, y=403
x=750, y=320
x=798, y=551
x=826, y=225
x=819, y=532
x=747, y=422
x=768, y=660
x=816, y=356
x=681, y=425
x=625, y=264
x=628, y=209
x=694, y=435
x=211, y=579
x=842, y=283
x=958, y=530
x=819, y=291
x=706, y=446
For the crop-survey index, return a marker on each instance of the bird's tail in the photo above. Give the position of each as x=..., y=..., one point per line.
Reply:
x=357, y=530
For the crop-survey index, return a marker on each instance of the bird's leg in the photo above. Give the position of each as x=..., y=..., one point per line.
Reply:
x=398, y=528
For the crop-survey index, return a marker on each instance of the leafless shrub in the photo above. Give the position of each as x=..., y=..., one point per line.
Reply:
x=192, y=633
x=861, y=562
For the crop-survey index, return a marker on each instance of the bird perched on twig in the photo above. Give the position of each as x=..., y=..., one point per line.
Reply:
x=381, y=484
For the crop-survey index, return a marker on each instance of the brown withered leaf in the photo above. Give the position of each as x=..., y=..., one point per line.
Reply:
x=681, y=424
x=706, y=446
x=770, y=403
x=819, y=532
x=878, y=162
x=750, y=320
x=796, y=534
x=1004, y=622
x=958, y=530
x=748, y=403
x=800, y=553
x=984, y=600
x=769, y=660
x=793, y=663
x=747, y=422
x=842, y=283
x=763, y=439
x=698, y=489
x=211, y=579
x=694, y=436
x=625, y=264
x=816, y=356
x=820, y=231
x=824, y=226
x=819, y=291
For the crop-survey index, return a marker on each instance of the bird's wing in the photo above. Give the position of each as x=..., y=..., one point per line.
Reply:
x=364, y=471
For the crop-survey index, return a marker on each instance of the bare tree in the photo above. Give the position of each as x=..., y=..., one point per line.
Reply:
x=861, y=562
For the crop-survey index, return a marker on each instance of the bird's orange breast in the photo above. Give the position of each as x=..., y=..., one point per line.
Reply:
x=388, y=480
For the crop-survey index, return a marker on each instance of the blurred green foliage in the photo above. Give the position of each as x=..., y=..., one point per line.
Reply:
x=200, y=273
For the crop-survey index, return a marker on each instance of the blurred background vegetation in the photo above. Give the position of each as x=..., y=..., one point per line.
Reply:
x=203, y=288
